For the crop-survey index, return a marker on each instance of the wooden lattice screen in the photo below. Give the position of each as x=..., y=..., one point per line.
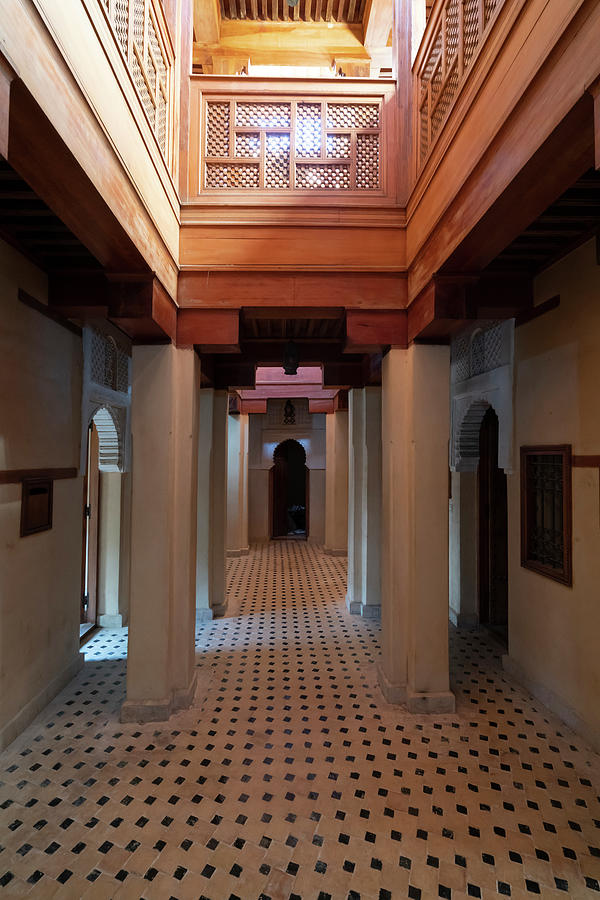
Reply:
x=141, y=33
x=292, y=145
x=456, y=30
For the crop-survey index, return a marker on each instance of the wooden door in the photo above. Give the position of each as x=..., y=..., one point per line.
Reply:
x=493, y=531
x=91, y=507
x=279, y=497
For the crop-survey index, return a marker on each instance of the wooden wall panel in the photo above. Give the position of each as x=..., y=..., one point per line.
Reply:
x=276, y=247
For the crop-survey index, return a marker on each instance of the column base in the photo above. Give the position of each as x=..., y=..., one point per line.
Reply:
x=353, y=606
x=203, y=615
x=110, y=621
x=184, y=698
x=366, y=610
x=330, y=551
x=464, y=620
x=393, y=692
x=430, y=702
x=370, y=610
x=219, y=610
x=158, y=710
x=244, y=551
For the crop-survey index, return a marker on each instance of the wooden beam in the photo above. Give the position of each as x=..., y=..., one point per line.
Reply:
x=293, y=312
x=14, y=476
x=355, y=290
x=253, y=406
x=143, y=310
x=290, y=42
x=279, y=391
x=594, y=90
x=207, y=21
x=212, y=330
x=321, y=406
x=377, y=23
x=7, y=76
x=536, y=311
x=367, y=332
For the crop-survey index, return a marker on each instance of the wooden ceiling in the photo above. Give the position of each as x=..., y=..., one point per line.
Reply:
x=349, y=11
x=352, y=36
x=570, y=221
x=31, y=226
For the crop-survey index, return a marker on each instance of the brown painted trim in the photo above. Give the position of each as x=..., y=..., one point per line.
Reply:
x=585, y=462
x=536, y=311
x=15, y=476
x=47, y=311
x=565, y=575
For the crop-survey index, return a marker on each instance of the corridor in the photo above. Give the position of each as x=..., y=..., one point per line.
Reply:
x=296, y=780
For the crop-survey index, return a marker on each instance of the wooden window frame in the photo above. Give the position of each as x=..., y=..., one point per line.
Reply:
x=564, y=575
x=29, y=485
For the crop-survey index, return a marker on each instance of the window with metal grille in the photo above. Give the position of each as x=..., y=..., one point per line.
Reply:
x=546, y=511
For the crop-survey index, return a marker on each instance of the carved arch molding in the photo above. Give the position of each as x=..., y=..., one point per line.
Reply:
x=481, y=376
x=106, y=400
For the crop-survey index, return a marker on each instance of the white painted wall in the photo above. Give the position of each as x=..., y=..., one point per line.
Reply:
x=40, y=575
x=266, y=432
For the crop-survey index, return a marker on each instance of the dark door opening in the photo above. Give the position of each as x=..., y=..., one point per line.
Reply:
x=493, y=532
x=91, y=507
x=289, y=491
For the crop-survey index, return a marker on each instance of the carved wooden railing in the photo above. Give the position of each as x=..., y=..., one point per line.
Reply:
x=311, y=140
x=142, y=34
x=455, y=31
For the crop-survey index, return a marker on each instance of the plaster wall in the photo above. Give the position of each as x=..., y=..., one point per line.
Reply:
x=40, y=575
x=265, y=433
x=553, y=629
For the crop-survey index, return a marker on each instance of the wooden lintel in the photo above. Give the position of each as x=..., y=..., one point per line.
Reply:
x=234, y=403
x=292, y=392
x=15, y=476
x=229, y=374
x=321, y=406
x=293, y=312
x=367, y=332
x=357, y=290
x=253, y=406
x=213, y=330
x=340, y=401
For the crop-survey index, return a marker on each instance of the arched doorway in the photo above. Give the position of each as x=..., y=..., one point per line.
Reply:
x=493, y=531
x=289, y=491
x=101, y=520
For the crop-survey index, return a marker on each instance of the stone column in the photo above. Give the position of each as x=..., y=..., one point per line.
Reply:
x=211, y=598
x=364, y=511
x=463, y=550
x=336, y=484
x=160, y=665
x=237, y=485
x=109, y=550
x=415, y=430
x=356, y=432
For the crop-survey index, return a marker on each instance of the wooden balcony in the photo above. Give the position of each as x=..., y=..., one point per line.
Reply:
x=293, y=175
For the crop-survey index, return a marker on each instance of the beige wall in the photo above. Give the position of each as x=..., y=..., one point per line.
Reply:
x=40, y=575
x=553, y=629
x=265, y=432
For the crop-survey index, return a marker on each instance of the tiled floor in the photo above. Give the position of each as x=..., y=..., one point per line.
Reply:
x=296, y=780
